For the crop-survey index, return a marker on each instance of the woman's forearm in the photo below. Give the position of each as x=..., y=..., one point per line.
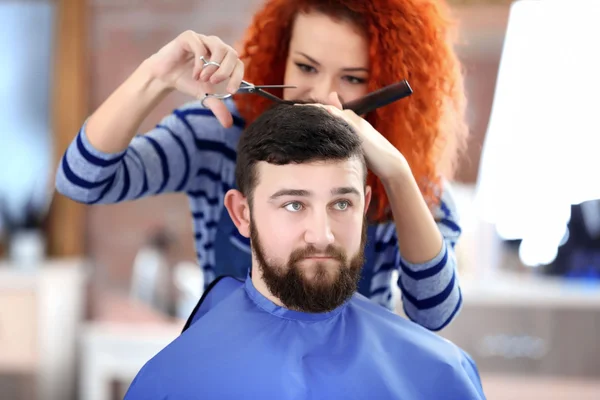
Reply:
x=419, y=237
x=112, y=126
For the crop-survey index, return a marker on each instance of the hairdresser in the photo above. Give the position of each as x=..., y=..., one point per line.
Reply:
x=332, y=52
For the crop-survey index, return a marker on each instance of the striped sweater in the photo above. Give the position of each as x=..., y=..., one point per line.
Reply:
x=189, y=151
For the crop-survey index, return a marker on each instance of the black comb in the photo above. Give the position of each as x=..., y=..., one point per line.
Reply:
x=380, y=98
x=364, y=105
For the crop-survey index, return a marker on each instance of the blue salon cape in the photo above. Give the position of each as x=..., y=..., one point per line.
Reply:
x=239, y=345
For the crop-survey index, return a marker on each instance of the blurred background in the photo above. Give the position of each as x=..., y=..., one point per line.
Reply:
x=89, y=294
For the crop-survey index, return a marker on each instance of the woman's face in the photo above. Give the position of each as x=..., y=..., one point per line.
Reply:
x=326, y=56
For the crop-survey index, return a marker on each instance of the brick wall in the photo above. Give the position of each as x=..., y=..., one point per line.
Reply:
x=122, y=34
x=125, y=32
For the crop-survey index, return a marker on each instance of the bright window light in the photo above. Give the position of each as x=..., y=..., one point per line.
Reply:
x=542, y=148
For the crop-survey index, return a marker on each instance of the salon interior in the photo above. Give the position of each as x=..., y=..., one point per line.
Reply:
x=88, y=294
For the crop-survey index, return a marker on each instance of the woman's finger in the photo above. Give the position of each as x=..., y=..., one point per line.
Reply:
x=236, y=77
x=218, y=51
x=334, y=100
x=191, y=43
x=226, y=69
x=220, y=111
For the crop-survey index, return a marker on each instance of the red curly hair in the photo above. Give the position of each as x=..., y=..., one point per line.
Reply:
x=408, y=39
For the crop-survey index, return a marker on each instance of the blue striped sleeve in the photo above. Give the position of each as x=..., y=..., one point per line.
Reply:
x=431, y=292
x=160, y=161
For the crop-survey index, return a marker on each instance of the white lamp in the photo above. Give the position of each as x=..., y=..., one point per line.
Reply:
x=542, y=148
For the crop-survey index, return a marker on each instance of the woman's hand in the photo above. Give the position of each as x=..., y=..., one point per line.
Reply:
x=382, y=157
x=178, y=65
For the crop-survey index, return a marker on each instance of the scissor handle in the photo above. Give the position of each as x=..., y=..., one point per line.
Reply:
x=207, y=63
x=219, y=96
x=247, y=87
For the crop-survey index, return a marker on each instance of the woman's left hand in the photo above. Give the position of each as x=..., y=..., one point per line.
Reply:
x=382, y=157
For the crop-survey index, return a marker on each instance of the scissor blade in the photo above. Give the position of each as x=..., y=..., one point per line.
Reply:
x=275, y=87
x=271, y=97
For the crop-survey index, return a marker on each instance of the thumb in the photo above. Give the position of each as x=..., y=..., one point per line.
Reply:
x=220, y=111
x=334, y=100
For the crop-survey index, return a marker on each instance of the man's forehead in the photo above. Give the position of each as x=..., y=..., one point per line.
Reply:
x=316, y=176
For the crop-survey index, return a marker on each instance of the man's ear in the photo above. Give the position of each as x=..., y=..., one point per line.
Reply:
x=368, y=193
x=239, y=210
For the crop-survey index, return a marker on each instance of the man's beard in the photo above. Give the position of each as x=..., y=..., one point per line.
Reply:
x=323, y=292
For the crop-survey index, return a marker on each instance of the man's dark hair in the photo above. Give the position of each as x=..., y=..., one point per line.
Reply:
x=287, y=134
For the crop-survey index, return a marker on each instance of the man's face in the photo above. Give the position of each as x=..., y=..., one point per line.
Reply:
x=308, y=231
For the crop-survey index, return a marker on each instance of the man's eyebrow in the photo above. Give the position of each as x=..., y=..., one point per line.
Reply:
x=345, y=190
x=290, y=192
x=306, y=193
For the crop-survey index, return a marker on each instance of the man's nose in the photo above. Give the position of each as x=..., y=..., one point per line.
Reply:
x=318, y=231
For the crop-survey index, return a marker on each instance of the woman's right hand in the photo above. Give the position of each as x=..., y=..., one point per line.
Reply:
x=178, y=65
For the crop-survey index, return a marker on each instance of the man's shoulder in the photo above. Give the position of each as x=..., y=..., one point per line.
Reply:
x=393, y=328
x=429, y=354
x=215, y=293
x=202, y=331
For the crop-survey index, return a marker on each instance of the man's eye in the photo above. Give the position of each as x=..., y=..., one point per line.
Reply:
x=293, y=206
x=342, y=205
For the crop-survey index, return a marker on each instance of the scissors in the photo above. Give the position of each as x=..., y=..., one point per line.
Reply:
x=245, y=87
x=372, y=101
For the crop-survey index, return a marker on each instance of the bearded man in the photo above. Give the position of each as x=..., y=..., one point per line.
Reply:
x=296, y=328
